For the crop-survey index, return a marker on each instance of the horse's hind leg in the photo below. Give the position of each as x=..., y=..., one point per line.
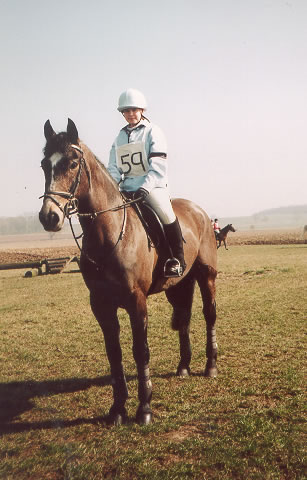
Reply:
x=206, y=279
x=106, y=316
x=181, y=296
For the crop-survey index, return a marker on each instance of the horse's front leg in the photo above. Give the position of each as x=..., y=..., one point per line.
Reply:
x=138, y=317
x=106, y=315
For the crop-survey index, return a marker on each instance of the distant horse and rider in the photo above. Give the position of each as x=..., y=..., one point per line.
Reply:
x=221, y=233
x=121, y=268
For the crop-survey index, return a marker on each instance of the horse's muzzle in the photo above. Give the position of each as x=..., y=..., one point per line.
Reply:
x=51, y=218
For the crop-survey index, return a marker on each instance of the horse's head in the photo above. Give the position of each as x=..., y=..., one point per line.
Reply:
x=62, y=165
x=231, y=228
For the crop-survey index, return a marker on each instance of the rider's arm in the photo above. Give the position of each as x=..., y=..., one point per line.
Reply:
x=157, y=159
x=112, y=166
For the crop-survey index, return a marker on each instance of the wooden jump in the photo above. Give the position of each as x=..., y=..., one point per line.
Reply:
x=57, y=265
x=46, y=266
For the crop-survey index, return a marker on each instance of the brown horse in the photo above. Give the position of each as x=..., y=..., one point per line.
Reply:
x=222, y=234
x=119, y=268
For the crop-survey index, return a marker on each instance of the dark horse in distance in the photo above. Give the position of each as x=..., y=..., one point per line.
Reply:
x=222, y=234
x=118, y=265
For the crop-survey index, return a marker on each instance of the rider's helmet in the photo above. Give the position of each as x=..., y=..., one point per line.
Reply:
x=131, y=98
x=216, y=219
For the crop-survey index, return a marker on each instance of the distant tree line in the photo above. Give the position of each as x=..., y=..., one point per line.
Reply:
x=20, y=225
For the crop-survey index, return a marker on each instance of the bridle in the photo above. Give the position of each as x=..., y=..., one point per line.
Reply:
x=71, y=206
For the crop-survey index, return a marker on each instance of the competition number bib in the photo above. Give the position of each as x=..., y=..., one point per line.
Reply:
x=132, y=160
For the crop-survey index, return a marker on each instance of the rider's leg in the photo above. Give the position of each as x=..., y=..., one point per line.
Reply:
x=159, y=200
x=174, y=238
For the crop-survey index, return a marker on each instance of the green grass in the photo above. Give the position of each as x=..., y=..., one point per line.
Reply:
x=248, y=423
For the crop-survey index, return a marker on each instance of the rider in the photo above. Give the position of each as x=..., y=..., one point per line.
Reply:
x=216, y=227
x=138, y=162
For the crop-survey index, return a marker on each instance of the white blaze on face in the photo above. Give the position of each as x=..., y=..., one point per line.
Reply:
x=54, y=159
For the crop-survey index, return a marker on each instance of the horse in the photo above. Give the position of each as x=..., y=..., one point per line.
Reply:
x=120, y=268
x=222, y=234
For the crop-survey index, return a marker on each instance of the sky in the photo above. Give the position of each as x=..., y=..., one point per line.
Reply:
x=226, y=80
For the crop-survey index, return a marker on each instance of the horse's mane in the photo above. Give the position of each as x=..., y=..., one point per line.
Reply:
x=100, y=163
x=104, y=169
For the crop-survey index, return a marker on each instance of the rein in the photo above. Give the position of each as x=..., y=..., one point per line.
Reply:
x=71, y=206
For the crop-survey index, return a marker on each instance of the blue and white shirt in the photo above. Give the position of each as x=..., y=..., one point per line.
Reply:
x=138, y=157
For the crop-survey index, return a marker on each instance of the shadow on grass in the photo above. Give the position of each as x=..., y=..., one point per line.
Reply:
x=15, y=399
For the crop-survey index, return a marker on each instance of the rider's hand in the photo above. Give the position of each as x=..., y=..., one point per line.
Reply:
x=141, y=193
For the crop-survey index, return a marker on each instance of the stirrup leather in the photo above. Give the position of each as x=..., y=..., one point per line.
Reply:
x=172, y=268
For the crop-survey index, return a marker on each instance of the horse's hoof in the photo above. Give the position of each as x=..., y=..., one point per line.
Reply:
x=117, y=420
x=144, y=418
x=211, y=372
x=183, y=372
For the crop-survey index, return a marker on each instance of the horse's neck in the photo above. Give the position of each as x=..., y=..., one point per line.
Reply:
x=103, y=192
x=99, y=194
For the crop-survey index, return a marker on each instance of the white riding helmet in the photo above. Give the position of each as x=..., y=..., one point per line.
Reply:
x=131, y=98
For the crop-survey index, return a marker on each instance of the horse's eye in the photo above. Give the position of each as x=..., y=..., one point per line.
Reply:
x=73, y=165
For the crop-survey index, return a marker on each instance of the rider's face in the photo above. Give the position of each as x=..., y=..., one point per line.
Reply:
x=133, y=115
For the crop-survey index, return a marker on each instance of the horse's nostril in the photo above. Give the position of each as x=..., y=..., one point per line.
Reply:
x=42, y=218
x=53, y=219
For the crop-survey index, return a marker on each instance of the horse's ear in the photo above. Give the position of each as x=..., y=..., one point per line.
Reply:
x=72, y=132
x=48, y=130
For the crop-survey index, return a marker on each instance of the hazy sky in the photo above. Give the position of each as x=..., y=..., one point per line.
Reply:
x=225, y=79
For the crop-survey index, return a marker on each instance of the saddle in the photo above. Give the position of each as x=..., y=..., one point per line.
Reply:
x=152, y=225
x=156, y=234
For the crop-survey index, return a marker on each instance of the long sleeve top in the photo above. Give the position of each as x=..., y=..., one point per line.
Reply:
x=138, y=157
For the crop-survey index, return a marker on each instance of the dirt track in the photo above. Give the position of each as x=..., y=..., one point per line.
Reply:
x=23, y=248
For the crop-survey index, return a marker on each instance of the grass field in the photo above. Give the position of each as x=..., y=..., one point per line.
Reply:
x=248, y=423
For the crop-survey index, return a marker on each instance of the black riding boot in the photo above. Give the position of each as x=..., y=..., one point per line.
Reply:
x=174, y=266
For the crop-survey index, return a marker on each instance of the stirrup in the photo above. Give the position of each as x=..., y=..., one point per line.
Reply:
x=172, y=268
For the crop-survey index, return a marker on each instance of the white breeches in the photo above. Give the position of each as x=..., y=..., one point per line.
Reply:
x=160, y=201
